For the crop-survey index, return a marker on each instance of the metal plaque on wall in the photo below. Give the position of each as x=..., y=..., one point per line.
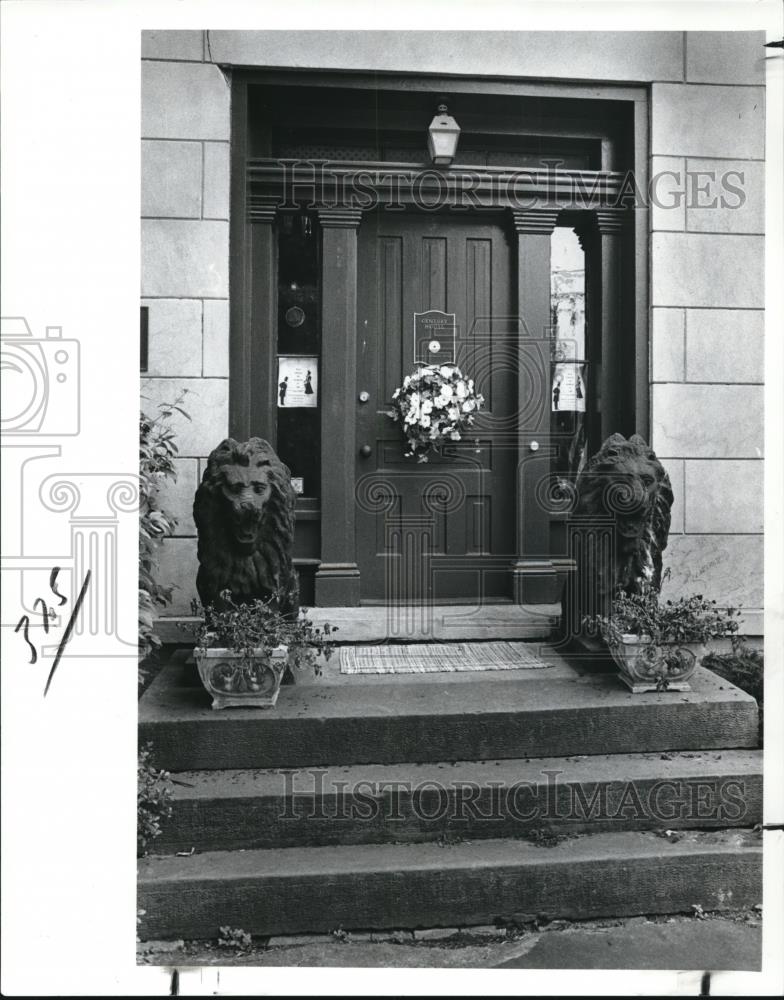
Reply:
x=434, y=337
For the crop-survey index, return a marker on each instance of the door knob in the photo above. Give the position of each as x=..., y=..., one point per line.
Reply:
x=364, y=396
x=366, y=451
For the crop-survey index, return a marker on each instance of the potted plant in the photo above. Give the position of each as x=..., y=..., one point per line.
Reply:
x=659, y=644
x=243, y=650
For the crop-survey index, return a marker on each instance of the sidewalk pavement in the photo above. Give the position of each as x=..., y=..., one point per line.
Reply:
x=684, y=943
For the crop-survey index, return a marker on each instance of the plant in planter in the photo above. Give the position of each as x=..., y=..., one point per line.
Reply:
x=659, y=644
x=243, y=650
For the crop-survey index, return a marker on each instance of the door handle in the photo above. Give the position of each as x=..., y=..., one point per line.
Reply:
x=366, y=451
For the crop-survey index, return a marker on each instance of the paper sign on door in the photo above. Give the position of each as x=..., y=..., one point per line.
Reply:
x=297, y=381
x=568, y=392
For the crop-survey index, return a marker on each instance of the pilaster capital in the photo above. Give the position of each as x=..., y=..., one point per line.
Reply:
x=340, y=217
x=610, y=220
x=261, y=210
x=536, y=221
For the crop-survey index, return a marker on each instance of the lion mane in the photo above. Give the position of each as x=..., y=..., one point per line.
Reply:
x=244, y=514
x=624, y=485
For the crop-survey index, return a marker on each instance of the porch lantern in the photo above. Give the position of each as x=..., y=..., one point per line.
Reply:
x=442, y=138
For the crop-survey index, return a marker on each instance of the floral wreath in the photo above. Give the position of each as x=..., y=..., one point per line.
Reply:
x=435, y=404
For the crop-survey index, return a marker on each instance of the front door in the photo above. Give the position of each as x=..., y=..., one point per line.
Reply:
x=444, y=529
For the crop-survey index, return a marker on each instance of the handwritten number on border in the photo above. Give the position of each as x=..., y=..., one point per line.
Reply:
x=49, y=615
x=68, y=629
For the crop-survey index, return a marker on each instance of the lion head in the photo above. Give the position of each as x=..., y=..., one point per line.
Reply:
x=625, y=489
x=626, y=482
x=244, y=513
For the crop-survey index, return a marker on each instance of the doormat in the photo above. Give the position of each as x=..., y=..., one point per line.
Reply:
x=439, y=657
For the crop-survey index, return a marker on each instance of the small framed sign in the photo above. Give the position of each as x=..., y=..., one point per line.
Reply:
x=434, y=337
x=568, y=386
x=298, y=485
x=297, y=381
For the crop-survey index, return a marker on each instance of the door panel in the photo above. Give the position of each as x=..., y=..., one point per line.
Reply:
x=434, y=272
x=445, y=528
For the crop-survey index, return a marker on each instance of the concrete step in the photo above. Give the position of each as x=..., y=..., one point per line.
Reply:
x=359, y=719
x=321, y=889
x=405, y=803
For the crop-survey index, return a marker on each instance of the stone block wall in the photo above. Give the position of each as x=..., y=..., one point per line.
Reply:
x=707, y=297
x=185, y=267
x=706, y=293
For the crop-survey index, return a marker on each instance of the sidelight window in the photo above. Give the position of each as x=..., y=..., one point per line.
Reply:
x=569, y=383
x=299, y=350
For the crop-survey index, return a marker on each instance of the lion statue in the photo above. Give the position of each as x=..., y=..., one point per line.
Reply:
x=244, y=513
x=625, y=487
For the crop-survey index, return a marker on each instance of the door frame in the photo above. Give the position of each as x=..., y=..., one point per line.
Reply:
x=616, y=290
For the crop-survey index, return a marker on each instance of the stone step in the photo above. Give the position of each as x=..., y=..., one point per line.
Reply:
x=376, y=886
x=534, y=798
x=414, y=623
x=359, y=719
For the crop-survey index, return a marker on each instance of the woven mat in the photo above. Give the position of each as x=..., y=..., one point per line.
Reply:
x=427, y=658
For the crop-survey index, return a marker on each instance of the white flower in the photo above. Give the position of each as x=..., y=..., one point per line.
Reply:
x=435, y=402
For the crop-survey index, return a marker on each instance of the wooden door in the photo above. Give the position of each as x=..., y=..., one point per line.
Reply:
x=444, y=529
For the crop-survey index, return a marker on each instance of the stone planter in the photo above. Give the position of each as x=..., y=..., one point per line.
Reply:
x=642, y=664
x=235, y=682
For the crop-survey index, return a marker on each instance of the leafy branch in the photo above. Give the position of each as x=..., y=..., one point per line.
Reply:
x=157, y=454
x=153, y=799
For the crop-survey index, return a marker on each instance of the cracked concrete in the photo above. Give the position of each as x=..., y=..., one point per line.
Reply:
x=711, y=942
